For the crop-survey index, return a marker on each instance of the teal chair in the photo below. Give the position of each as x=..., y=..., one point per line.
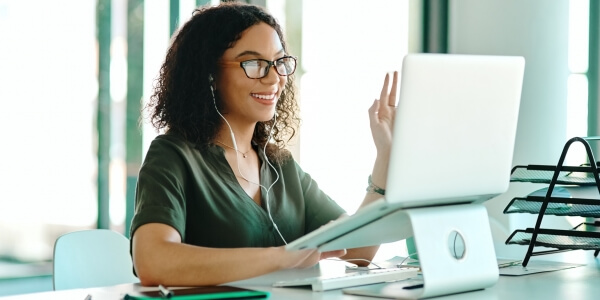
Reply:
x=92, y=258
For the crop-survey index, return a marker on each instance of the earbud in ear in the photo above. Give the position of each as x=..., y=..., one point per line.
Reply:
x=211, y=83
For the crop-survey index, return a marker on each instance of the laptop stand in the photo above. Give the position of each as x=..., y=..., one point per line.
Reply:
x=456, y=251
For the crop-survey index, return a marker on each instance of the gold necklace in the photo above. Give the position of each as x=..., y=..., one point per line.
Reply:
x=242, y=153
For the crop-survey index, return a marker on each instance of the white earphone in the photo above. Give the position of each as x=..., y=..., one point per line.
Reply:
x=267, y=190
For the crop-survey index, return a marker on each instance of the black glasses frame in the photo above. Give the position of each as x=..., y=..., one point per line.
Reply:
x=270, y=63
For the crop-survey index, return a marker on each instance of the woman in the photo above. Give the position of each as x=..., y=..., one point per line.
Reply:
x=218, y=196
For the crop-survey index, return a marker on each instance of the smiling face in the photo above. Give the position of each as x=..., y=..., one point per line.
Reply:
x=245, y=99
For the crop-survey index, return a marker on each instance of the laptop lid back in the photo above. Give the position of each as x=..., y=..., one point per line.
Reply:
x=453, y=143
x=455, y=128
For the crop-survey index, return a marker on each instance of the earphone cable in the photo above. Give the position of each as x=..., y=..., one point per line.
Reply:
x=267, y=190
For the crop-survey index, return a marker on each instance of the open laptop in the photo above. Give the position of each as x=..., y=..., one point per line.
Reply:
x=453, y=143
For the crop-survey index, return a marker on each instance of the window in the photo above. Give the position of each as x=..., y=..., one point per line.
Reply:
x=577, y=98
x=347, y=49
x=48, y=65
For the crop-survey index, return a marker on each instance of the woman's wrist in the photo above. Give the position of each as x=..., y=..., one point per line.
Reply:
x=378, y=176
x=281, y=260
x=374, y=188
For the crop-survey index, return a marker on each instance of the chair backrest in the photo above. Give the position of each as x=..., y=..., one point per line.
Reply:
x=92, y=258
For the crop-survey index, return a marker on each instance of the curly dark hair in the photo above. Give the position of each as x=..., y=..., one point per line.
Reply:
x=182, y=101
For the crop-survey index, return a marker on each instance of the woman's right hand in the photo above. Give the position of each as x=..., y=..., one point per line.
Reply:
x=300, y=259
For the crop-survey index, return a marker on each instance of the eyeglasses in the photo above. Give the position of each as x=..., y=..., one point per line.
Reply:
x=259, y=68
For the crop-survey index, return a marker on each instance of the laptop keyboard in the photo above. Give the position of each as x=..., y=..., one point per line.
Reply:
x=350, y=279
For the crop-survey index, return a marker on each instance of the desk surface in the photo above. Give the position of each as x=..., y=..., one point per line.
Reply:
x=576, y=283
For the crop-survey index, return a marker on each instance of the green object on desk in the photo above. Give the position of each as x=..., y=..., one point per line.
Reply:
x=412, y=248
x=197, y=293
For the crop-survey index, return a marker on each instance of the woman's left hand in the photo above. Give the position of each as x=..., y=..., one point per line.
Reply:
x=381, y=115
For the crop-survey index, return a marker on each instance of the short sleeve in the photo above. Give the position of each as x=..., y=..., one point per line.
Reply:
x=160, y=195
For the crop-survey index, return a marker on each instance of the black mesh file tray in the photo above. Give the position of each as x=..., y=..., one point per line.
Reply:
x=576, y=175
x=559, y=239
x=553, y=202
x=556, y=206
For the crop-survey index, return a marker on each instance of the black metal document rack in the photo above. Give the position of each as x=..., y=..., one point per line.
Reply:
x=585, y=236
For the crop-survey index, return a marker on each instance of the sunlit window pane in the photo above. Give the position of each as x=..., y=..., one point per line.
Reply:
x=48, y=65
x=347, y=50
x=186, y=7
x=156, y=43
x=577, y=115
x=579, y=11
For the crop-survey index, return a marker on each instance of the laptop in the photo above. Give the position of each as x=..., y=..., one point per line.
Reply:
x=453, y=142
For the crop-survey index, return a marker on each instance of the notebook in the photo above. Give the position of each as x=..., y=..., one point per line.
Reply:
x=204, y=293
x=453, y=142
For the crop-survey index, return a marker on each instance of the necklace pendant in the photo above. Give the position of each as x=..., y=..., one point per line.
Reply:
x=244, y=155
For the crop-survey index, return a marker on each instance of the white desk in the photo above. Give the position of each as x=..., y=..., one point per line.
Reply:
x=576, y=283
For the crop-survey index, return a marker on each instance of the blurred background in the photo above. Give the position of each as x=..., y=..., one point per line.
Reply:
x=74, y=75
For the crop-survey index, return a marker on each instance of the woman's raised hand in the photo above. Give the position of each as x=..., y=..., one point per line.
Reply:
x=381, y=114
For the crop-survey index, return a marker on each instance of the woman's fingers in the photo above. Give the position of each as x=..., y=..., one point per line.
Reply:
x=304, y=258
x=392, y=94
x=384, y=90
x=336, y=253
x=388, y=97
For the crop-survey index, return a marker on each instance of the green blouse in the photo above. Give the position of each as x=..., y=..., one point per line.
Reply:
x=195, y=192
